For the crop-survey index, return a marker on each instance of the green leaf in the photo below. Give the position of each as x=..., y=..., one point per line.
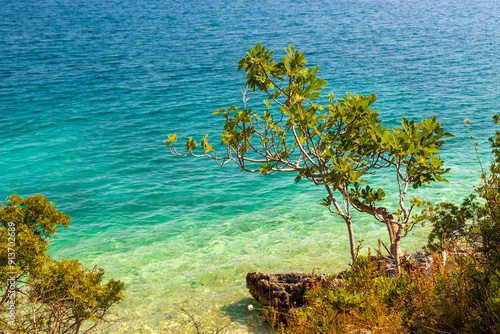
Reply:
x=327, y=202
x=220, y=111
x=265, y=168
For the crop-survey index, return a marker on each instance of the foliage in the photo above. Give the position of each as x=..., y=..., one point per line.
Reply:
x=481, y=226
x=50, y=296
x=335, y=145
x=459, y=293
x=490, y=192
x=452, y=224
x=357, y=307
x=447, y=299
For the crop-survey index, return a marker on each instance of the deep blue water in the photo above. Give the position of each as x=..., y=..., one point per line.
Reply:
x=90, y=89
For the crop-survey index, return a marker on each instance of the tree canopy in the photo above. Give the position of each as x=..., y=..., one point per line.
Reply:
x=336, y=145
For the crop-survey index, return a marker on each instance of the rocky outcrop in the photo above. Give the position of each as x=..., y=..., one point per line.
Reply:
x=281, y=294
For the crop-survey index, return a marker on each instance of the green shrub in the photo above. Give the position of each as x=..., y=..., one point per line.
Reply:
x=39, y=294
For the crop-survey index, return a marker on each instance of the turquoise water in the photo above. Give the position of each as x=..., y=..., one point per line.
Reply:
x=90, y=89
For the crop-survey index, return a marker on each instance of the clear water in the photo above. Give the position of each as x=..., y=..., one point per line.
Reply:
x=90, y=89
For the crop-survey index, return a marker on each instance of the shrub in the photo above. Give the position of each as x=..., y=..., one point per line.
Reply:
x=39, y=294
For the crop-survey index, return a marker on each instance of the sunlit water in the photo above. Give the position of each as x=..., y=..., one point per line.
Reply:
x=90, y=89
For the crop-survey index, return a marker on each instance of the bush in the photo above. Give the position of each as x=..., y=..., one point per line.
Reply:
x=39, y=294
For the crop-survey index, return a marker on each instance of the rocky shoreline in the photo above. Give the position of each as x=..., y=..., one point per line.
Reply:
x=283, y=294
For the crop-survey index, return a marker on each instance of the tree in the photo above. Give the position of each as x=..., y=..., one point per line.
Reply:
x=335, y=145
x=38, y=294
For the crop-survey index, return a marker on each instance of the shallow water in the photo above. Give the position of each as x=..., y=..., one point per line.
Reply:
x=89, y=90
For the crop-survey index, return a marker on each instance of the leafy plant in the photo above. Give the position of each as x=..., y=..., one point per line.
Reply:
x=451, y=223
x=39, y=294
x=335, y=145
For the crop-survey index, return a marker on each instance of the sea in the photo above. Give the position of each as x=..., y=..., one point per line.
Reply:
x=90, y=89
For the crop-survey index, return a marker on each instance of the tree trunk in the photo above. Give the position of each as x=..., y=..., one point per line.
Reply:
x=351, y=238
x=347, y=219
x=396, y=252
x=395, y=232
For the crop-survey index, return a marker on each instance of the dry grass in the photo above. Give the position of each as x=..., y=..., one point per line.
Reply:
x=450, y=298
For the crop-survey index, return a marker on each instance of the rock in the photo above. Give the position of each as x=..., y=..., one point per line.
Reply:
x=283, y=294
x=280, y=294
x=412, y=261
